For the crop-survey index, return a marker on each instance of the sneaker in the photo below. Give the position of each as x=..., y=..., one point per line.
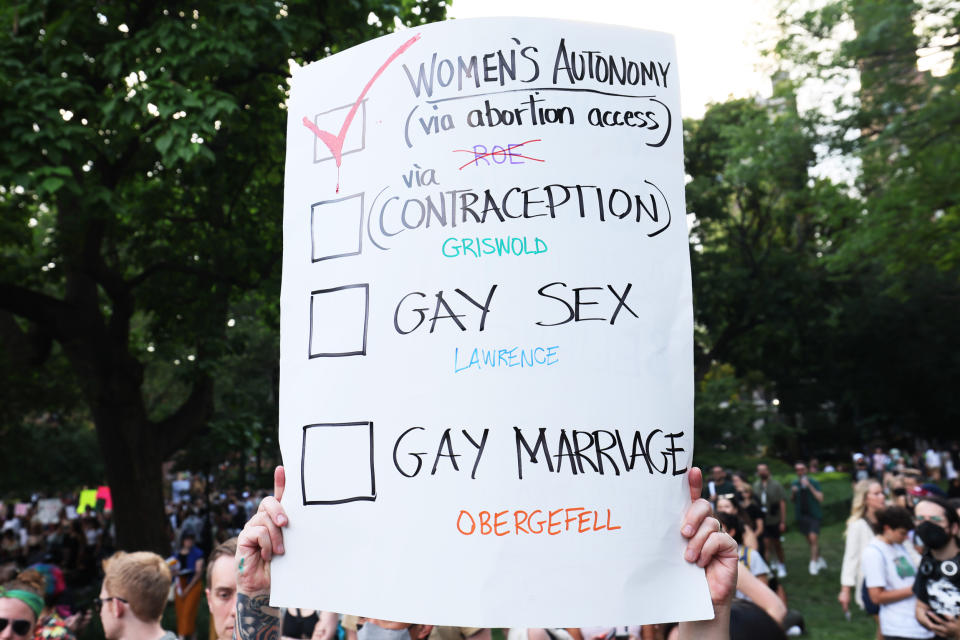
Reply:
x=814, y=568
x=821, y=563
x=781, y=571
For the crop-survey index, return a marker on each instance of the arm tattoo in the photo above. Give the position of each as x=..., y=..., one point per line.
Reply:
x=256, y=619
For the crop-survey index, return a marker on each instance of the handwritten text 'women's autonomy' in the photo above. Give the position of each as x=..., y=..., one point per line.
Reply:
x=570, y=66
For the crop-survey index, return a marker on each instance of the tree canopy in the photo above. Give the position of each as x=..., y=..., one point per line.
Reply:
x=141, y=195
x=835, y=299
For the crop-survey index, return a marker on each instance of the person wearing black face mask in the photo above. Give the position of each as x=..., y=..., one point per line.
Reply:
x=937, y=586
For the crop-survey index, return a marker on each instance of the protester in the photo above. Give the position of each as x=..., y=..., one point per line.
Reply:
x=133, y=596
x=860, y=470
x=187, y=585
x=728, y=504
x=750, y=622
x=21, y=602
x=932, y=460
x=937, y=586
x=807, y=496
x=720, y=484
x=889, y=570
x=52, y=625
x=773, y=502
x=752, y=514
x=307, y=624
x=221, y=589
x=262, y=538
x=749, y=558
x=879, y=462
x=868, y=498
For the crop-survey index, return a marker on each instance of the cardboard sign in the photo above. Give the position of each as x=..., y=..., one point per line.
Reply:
x=486, y=330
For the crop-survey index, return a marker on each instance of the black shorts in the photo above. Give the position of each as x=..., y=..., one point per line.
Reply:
x=808, y=524
x=771, y=530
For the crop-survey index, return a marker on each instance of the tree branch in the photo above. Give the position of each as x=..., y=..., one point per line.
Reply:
x=24, y=348
x=169, y=267
x=174, y=431
x=45, y=311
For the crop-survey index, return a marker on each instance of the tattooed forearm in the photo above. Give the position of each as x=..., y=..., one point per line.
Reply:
x=256, y=619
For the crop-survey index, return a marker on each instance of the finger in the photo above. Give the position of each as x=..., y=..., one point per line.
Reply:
x=274, y=510
x=695, y=479
x=254, y=540
x=939, y=629
x=708, y=526
x=279, y=482
x=694, y=517
x=718, y=544
x=249, y=537
x=268, y=519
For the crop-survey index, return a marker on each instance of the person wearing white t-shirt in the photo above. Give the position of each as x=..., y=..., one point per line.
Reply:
x=889, y=569
x=932, y=462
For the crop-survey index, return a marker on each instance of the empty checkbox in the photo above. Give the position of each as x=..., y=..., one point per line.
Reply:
x=336, y=464
x=338, y=321
x=336, y=228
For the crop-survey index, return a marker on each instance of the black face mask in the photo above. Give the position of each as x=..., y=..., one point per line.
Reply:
x=933, y=536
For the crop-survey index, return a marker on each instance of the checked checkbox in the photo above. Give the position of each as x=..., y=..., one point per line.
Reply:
x=336, y=464
x=338, y=321
x=336, y=228
x=355, y=138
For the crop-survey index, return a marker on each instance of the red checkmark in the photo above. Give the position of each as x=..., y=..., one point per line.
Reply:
x=335, y=142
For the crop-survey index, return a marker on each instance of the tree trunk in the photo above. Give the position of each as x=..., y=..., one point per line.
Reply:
x=133, y=461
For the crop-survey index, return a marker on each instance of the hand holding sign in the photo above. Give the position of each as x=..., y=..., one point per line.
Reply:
x=260, y=539
x=708, y=547
x=493, y=355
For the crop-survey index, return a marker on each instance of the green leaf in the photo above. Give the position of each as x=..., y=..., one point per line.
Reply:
x=163, y=142
x=51, y=184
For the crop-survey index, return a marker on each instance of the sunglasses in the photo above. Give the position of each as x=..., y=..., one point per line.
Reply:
x=20, y=627
x=98, y=602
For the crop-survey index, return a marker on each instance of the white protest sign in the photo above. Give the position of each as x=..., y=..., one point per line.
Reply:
x=486, y=330
x=48, y=510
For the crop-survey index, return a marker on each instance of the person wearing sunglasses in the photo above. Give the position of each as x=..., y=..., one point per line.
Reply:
x=938, y=581
x=21, y=602
x=133, y=596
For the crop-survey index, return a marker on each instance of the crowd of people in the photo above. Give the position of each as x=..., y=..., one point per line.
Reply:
x=899, y=564
x=901, y=552
x=63, y=554
x=900, y=559
x=44, y=600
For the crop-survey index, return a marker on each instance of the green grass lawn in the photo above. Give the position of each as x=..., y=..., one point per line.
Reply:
x=816, y=596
